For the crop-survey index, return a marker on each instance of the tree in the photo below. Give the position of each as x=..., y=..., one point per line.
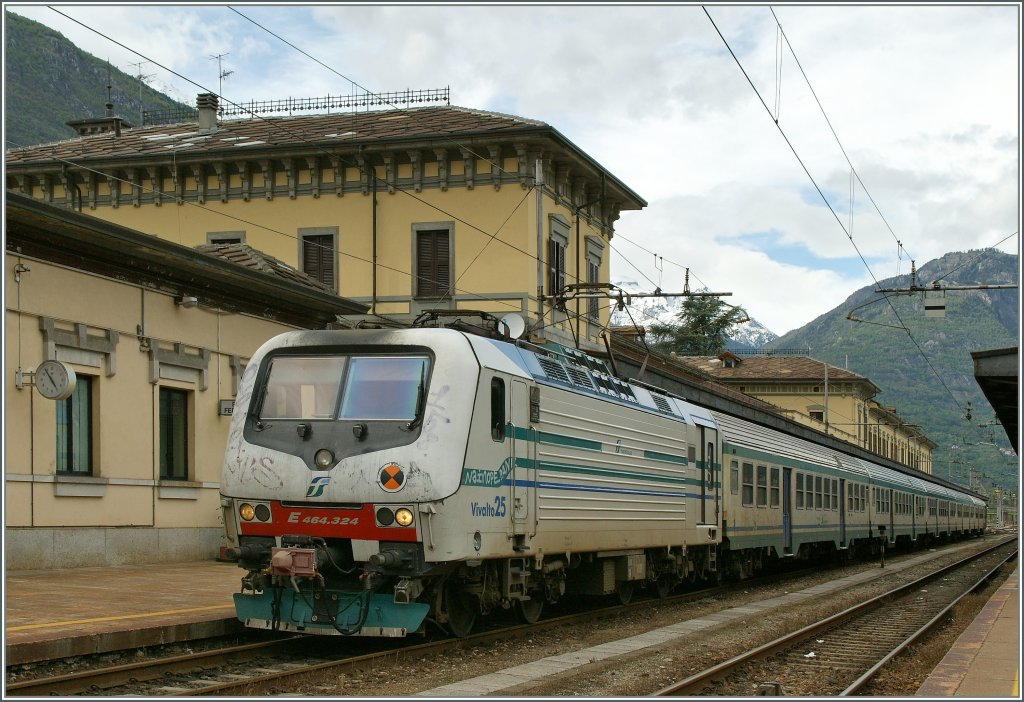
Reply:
x=703, y=328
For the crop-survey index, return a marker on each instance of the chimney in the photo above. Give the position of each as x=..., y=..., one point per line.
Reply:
x=206, y=103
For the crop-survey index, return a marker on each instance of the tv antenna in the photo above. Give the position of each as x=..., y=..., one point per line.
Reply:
x=142, y=78
x=221, y=73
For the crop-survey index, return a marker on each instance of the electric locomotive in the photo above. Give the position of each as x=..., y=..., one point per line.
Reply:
x=375, y=480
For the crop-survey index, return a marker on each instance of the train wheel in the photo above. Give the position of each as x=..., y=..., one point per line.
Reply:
x=461, y=610
x=663, y=585
x=624, y=590
x=529, y=611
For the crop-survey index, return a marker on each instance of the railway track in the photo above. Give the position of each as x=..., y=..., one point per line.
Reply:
x=234, y=669
x=275, y=665
x=840, y=654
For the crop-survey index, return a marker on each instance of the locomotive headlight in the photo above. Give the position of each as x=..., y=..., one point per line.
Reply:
x=246, y=511
x=262, y=513
x=403, y=516
x=324, y=459
x=385, y=517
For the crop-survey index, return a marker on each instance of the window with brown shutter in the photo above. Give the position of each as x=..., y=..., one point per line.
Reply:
x=556, y=266
x=433, y=263
x=593, y=276
x=318, y=257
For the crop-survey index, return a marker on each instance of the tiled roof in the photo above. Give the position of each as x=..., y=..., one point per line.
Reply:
x=245, y=255
x=771, y=368
x=325, y=131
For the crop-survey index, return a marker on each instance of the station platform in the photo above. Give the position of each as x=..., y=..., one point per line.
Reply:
x=55, y=614
x=985, y=660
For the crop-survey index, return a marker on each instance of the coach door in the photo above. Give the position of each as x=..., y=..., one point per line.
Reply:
x=709, y=488
x=787, y=527
x=892, y=517
x=523, y=449
x=842, y=511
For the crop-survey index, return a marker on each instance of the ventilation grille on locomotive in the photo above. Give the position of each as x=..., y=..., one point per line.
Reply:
x=553, y=369
x=662, y=403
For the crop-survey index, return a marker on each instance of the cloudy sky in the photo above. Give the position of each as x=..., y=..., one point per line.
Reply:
x=924, y=99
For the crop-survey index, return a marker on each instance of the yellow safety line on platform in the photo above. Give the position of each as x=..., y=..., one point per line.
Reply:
x=1016, y=683
x=111, y=619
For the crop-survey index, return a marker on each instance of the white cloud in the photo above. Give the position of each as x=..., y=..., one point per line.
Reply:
x=925, y=100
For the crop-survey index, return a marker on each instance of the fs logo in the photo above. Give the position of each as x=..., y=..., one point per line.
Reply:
x=317, y=485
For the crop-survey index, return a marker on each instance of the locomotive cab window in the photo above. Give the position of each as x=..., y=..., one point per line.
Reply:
x=497, y=409
x=366, y=387
x=302, y=387
x=384, y=387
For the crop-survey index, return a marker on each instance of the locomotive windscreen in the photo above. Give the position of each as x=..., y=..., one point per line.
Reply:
x=360, y=387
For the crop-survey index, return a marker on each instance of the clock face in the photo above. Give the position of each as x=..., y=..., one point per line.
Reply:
x=55, y=380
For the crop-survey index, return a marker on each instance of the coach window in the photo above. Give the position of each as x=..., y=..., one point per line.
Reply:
x=748, y=484
x=835, y=494
x=775, y=486
x=74, y=430
x=817, y=492
x=173, y=434
x=799, y=490
x=762, y=486
x=734, y=477
x=497, y=409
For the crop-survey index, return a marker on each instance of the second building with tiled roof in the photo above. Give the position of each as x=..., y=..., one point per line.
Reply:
x=831, y=399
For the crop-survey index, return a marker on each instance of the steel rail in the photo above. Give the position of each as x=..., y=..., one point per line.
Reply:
x=868, y=675
x=689, y=685
x=81, y=681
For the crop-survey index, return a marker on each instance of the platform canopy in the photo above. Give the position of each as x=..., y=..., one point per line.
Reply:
x=996, y=372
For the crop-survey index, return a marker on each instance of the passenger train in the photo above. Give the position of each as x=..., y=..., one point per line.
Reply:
x=377, y=480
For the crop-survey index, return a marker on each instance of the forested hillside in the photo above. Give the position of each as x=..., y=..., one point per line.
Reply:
x=928, y=374
x=49, y=81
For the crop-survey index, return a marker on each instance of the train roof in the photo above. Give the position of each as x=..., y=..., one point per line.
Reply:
x=771, y=442
x=574, y=370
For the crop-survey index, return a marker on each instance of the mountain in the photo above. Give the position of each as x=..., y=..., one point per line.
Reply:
x=644, y=311
x=928, y=374
x=48, y=81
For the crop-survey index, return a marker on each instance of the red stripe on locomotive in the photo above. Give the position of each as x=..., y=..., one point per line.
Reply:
x=327, y=523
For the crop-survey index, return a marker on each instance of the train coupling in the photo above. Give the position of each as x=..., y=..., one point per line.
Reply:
x=407, y=590
x=293, y=562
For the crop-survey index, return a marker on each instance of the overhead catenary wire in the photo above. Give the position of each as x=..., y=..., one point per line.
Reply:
x=619, y=235
x=972, y=260
x=830, y=208
x=832, y=129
